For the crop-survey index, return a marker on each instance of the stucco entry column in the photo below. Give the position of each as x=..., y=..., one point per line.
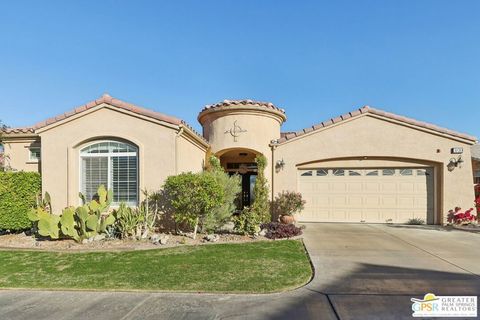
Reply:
x=243, y=124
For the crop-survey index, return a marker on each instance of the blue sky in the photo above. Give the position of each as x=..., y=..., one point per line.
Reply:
x=316, y=59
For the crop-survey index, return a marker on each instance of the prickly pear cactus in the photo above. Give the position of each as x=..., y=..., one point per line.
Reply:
x=78, y=223
x=68, y=224
x=48, y=225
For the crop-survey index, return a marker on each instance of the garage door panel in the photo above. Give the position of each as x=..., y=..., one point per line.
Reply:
x=389, y=201
x=339, y=187
x=339, y=201
x=387, y=215
x=369, y=195
x=355, y=187
x=406, y=187
x=322, y=187
x=371, y=201
x=421, y=202
x=371, y=216
x=371, y=187
x=388, y=187
x=322, y=201
x=339, y=215
x=355, y=215
x=406, y=202
x=355, y=201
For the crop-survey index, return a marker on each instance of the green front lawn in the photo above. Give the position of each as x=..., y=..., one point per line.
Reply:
x=247, y=267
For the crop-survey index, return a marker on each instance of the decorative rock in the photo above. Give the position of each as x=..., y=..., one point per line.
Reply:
x=98, y=237
x=145, y=234
x=262, y=232
x=212, y=237
x=164, y=240
x=155, y=238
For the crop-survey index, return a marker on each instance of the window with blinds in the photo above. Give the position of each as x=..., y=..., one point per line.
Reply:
x=113, y=164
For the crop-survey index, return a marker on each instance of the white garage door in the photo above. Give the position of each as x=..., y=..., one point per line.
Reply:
x=367, y=195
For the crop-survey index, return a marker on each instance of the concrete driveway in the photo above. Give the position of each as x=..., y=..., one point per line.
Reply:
x=361, y=272
x=372, y=271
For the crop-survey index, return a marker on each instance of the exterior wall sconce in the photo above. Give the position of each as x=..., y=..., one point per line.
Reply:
x=279, y=165
x=455, y=163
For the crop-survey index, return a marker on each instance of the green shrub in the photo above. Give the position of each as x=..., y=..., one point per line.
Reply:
x=193, y=196
x=261, y=204
x=222, y=213
x=287, y=203
x=18, y=193
x=247, y=222
x=415, y=221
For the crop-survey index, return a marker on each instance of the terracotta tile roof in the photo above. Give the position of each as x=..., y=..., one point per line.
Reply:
x=111, y=101
x=195, y=132
x=283, y=134
x=234, y=103
x=367, y=109
x=17, y=130
x=114, y=102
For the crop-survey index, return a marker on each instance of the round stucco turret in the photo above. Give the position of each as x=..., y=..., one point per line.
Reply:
x=244, y=124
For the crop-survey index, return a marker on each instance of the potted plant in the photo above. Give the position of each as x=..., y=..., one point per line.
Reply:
x=285, y=205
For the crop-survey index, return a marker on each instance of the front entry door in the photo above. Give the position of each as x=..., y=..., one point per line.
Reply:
x=248, y=182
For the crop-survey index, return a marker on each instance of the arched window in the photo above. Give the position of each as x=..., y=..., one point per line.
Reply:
x=113, y=164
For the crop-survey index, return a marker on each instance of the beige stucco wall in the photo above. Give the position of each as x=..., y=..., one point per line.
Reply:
x=260, y=126
x=17, y=150
x=190, y=155
x=61, y=145
x=385, y=143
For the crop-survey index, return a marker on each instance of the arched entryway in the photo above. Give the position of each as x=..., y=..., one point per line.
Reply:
x=241, y=161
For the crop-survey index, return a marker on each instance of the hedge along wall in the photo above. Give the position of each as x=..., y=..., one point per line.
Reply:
x=18, y=192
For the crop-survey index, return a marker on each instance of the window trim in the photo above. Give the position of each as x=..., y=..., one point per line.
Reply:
x=35, y=160
x=109, y=155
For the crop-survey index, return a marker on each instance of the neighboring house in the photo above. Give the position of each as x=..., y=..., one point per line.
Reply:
x=476, y=163
x=364, y=166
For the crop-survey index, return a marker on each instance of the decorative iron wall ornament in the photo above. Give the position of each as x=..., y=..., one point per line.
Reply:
x=235, y=131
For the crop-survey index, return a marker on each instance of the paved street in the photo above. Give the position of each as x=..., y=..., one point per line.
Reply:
x=361, y=272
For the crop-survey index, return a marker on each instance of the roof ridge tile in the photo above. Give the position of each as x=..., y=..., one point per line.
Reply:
x=367, y=109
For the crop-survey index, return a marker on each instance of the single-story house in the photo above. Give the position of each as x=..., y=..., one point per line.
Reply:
x=476, y=163
x=367, y=165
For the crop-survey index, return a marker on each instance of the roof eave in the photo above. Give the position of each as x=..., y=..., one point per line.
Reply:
x=366, y=110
